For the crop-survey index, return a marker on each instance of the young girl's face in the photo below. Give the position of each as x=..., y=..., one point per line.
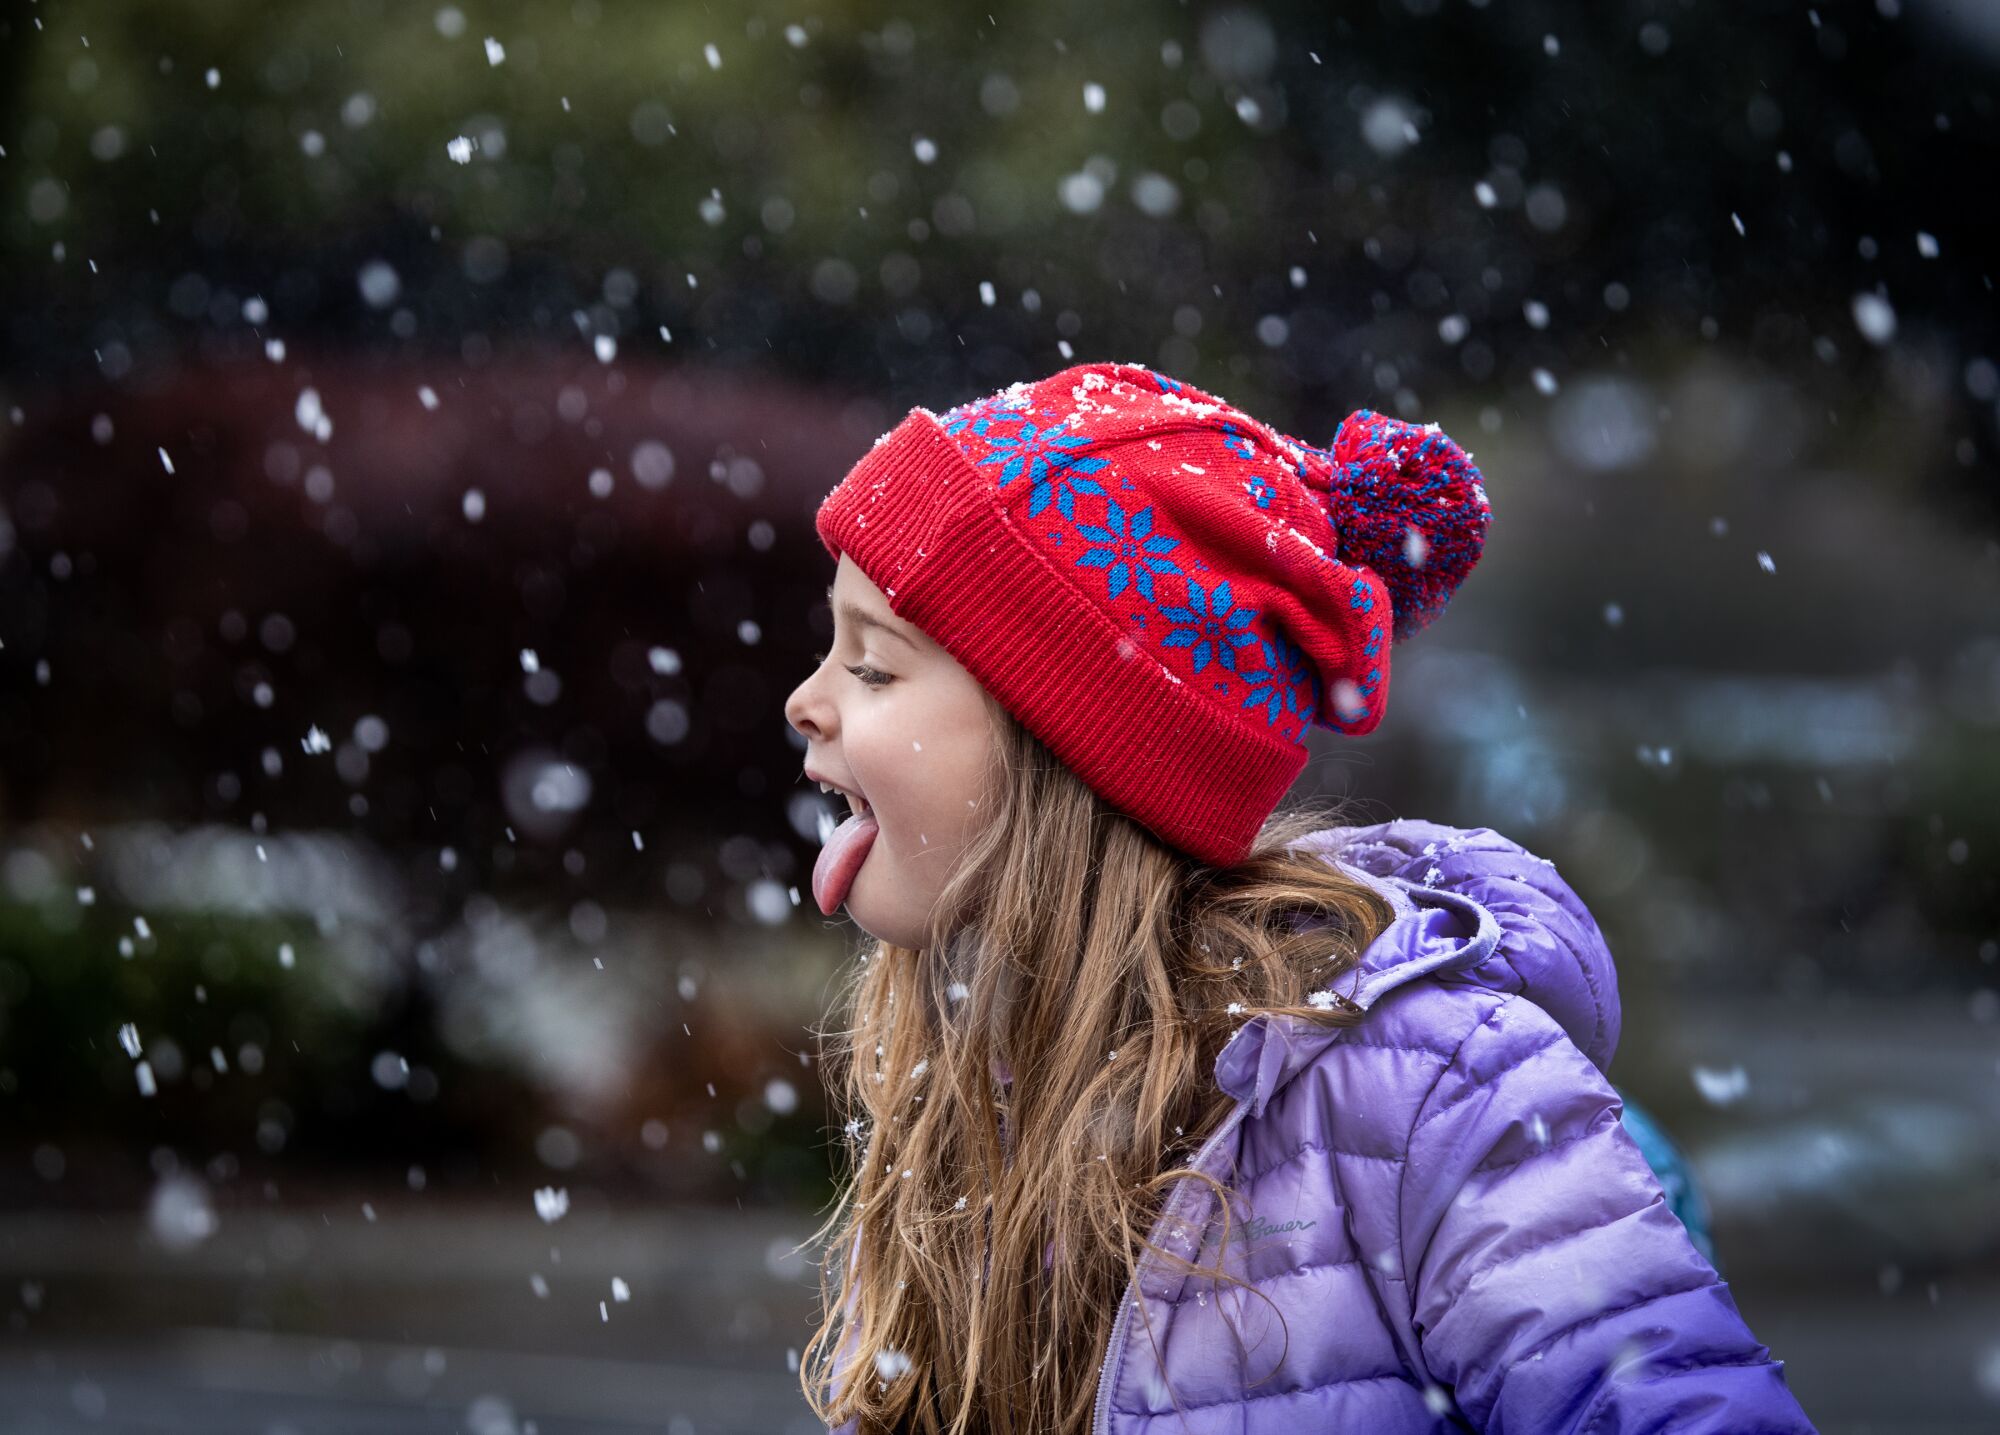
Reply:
x=891, y=716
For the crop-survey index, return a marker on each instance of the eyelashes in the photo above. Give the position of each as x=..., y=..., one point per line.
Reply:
x=872, y=677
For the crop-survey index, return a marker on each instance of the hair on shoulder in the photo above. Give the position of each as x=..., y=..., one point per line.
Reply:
x=1017, y=1098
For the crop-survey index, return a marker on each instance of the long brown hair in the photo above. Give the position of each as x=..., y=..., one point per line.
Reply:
x=1106, y=970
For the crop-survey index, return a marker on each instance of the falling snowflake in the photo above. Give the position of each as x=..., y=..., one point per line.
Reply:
x=312, y=416
x=1875, y=317
x=1721, y=1088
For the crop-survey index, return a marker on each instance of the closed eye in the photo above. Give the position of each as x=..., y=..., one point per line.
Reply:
x=873, y=677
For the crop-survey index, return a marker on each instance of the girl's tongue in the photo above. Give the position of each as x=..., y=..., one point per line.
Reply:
x=840, y=859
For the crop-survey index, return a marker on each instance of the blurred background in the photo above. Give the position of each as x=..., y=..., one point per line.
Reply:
x=413, y=421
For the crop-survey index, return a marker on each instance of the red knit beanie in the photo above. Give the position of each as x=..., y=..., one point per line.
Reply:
x=1165, y=591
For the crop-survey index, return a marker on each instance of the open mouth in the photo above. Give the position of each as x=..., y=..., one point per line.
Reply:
x=843, y=851
x=856, y=803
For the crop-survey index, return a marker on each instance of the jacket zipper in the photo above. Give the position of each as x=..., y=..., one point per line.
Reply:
x=1100, y=1417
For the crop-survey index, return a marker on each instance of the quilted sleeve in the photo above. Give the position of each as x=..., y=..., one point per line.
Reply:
x=1551, y=1288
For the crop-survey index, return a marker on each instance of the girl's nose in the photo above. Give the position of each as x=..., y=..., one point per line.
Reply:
x=802, y=710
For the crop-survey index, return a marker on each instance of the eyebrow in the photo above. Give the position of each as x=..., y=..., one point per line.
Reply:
x=860, y=617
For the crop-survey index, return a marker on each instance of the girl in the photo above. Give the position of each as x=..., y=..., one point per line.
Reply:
x=1167, y=1113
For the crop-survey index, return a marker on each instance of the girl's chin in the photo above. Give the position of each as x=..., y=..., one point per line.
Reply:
x=877, y=924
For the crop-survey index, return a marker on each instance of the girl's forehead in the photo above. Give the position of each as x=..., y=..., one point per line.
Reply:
x=856, y=575
x=863, y=607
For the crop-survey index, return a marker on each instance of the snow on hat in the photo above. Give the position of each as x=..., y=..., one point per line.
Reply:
x=1165, y=591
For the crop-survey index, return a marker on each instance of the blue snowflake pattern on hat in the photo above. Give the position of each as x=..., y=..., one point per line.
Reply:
x=973, y=417
x=1255, y=572
x=1257, y=485
x=1241, y=654
x=1128, y=549
x=1260, y=490
x=1210, y=624
x=1051, y=458
x=1274, y=690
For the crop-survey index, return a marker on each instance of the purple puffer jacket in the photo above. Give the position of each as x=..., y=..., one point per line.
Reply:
x=1440, y=1202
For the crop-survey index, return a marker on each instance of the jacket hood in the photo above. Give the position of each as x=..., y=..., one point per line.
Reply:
x=1472, y=907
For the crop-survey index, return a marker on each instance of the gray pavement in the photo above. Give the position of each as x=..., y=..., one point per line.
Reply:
x=428, y=1318
x=318, y=1321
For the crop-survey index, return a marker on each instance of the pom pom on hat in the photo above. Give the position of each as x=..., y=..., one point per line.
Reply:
x=1407, y=502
